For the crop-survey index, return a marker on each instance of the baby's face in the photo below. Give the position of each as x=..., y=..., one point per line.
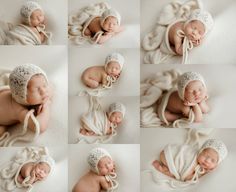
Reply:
x=195, y=30
x=37, y=90
x=105, y=166
x=116, y=117
x=113, y=69
x=110, y=24
x=195, y=92
x=42, y=170
x=37, y=18
x=208, y=159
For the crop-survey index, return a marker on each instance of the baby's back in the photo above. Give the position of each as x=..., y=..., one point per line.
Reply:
x=88, y=183
x=175, y=104
x=95, y=25
x=9, y=109
x=173, y=31
x=96, y=73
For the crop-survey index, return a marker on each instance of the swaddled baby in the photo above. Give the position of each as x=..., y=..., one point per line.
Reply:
x=104, y=75
x=115, y=116
x=102, y=28
x=194, y=29
x=32, y=30
x=191, y=94
x=32, y=172
x=102, y=174
x=29, y=89
x=211, y=154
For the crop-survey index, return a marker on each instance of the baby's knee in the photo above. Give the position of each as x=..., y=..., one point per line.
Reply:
x=92, y=84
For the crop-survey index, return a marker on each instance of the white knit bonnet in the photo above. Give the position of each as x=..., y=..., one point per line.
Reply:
x=19, y=79
x=185, y=79
x=47, y=159
x=116, y=107
x=108, y=13
x=218, y=146
x=203, y=16
x=94, y=157
x=27, y=9
x=117, y=57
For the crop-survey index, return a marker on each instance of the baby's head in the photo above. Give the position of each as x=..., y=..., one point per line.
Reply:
x=211, y=154
x=100, y=161
x=29, y=85
x=32, y=14
x=114, y=64
x=192, y=87
x=116, y=113
x=44, y=166
x=110, y=20
x=198, y=25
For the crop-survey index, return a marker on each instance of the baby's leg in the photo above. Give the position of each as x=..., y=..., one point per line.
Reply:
x=2, y=130
x=90, y=82
x=87, y=32
x=171, y=116
x=162, y=165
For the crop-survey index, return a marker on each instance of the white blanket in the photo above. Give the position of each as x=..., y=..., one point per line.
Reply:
x=24, y=35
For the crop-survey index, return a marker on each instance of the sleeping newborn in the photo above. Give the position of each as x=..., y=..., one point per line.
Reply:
x=114, y=117
x=102, y=174
x=32, y=172
x=102, y=28
x=195, y=28
x=32, y=30
x=191, y=94
x=29, y=89
x=104, y=75
x=211, y=154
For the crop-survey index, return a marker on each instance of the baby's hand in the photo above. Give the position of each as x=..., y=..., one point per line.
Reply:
x=196, y=42
x=187, y=103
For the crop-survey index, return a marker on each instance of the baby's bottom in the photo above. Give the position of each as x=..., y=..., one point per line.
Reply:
x=2, y=130
x=90, y=82
x=162, y=165
x=171, y=117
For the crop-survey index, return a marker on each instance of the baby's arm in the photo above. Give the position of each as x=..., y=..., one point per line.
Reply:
x=104, y=79
x=105, y=184
x=204, y=106
x=42, y=117
x=178, y=45
x=197, y=113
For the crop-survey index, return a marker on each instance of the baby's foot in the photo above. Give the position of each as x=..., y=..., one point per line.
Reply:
x=2, y=130
x=159, y=166
x=83, y=131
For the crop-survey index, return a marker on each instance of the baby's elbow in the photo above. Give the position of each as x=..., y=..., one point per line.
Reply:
x=42, y=128
x=198, y=119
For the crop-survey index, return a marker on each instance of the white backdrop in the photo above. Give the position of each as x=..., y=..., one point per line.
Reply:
x=130, y=17
x=221, y=179
x=55, y=12
x=220, y=81
x=127, y=132
x=59, y=174
x=217, y=48
x=53, y=60
x=82, y=58
x=126, y=158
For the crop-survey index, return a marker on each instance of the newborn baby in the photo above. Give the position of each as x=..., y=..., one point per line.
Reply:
x=102, y=28
x=210, y=155
x=104, y=75
x=102, y=173
x=191, y=94
x=114, y=117
x=29, y=89
x=32, y=29
x=32, y=172
x=195, y=28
